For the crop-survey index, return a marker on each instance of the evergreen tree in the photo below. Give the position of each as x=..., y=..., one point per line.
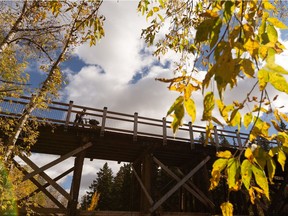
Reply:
x=103, y=185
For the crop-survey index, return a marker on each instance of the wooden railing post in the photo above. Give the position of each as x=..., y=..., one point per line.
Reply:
x=192, y=144
x=240, y=146
x=135, y=127
x=68, y=114
x=216, y=138
x=103, y=122
x=164, y=131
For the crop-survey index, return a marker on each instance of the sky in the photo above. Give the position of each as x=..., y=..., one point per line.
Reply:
x=119, y=73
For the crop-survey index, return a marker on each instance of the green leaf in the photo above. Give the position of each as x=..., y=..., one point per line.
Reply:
x=190, y=108
x=247, y=119
x=233, y=172
x=176, y=103
x=246, y=173
x=178, y=117
x=278, y=82
x=261, y=179
x=272, y=33
x=209, y=104
x=277, y=23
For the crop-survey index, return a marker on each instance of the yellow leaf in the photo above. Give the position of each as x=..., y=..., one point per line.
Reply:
x=252, y=47
x=249, y=154
x=276, y=22
x=272, y=34
x=227, y=209
x=283, y=138
x=246, y=173
x=278, y=82
x=247, y=67
x=208, y=106
x=263, y=77
x=276, y=126
x=190, y=108
x=218, y=166
x=271, y=166
x=233, y=172
x=247, y=119
x=176, y=103
x=281, y=158
x=261, y=179
x=268, y=6
x=235, y=119
x=177, y=117
x=224, y=154
x=252, y=195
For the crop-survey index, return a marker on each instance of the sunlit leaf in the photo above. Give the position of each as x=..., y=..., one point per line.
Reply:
x=233, y=171
x=252, y=195
x=263, y=77
x=176, y=103
x=272, y=34
x=190, y=108
x=246, y=173
x=247, y=119
x=224, y=154
x=218, y=166
x=235, y=119
x=177, y=117
x=271, y=167
x=227, y=209
x=252, y=47
x=281, y=158
x=283, y=138
x=276, y=22
x=261, y=179
x=249, y=154
x=278, y=82
x=209, y=104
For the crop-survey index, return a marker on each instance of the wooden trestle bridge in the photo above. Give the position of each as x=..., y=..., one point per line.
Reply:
x=143, y=142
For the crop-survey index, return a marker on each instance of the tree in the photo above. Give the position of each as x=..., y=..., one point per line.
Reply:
x=102, y=185
x=228, y=42
x=47, y=31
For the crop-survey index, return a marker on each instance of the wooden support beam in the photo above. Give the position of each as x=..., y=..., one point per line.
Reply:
x=75, y=185
x=186, y=186
x=47, y=184
x=164, y=131
x=179, y=184
x=68, y=116
x=191, y=135
x=57, y=161
x=194, y=187
x=142, y=186
x=216, y=138
x=45, y=176
x=40, y=187
x=135, y=129
x=102, y=130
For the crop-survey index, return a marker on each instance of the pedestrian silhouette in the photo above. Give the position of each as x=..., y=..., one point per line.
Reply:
x=79, y=117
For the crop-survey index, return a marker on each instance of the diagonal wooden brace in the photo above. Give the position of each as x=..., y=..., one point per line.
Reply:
x=178, y=185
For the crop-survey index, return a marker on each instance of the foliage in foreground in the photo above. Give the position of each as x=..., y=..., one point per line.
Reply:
x=222, y=44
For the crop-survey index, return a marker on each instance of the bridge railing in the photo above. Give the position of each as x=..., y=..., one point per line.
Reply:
x=136, y=125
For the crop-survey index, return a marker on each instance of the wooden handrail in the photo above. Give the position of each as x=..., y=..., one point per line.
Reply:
x=63, y=113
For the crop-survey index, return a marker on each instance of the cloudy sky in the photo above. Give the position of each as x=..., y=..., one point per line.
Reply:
x=119, y=73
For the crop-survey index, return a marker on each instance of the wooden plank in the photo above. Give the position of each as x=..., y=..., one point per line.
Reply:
x=187, y=187
x=142, y=186
x=45, y=176
x=179, y=184
x=240, y=146
x=57, y=161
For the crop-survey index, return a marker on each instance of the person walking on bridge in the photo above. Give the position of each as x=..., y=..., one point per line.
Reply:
x=79, y=118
